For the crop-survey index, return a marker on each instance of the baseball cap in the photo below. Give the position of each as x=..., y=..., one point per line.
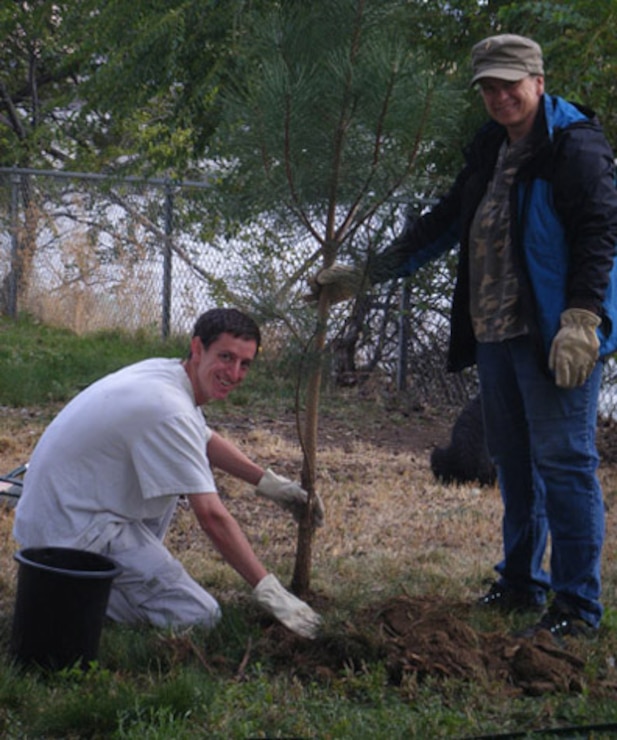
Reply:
x=506, y=57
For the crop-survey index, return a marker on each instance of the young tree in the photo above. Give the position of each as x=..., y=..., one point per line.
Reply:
x=334, y=110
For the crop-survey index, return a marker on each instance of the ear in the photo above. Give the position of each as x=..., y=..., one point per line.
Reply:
x=196, y=347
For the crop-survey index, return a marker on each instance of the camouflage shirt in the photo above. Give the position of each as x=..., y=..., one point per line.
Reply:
x=494, y=286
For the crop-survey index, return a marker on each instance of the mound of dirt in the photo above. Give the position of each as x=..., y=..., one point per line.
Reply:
x=429, y=638
x=418, y=638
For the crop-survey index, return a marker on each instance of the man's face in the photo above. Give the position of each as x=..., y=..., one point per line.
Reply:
x=513, y=104
x=216, y=371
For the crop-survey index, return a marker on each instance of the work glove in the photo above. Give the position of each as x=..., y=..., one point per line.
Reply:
x=574, y=351
x=290, y=496
x=342, y=282
x=287, y=608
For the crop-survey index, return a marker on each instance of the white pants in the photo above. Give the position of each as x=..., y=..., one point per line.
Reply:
x=154, y=587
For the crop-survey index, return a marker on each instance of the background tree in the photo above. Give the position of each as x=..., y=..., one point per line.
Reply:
x=157, y=71
x=579, y=41
x=87, y=84
x=114, y=86
x=38, y=83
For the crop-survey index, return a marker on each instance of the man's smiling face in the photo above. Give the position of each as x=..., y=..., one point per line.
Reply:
x=216, y=371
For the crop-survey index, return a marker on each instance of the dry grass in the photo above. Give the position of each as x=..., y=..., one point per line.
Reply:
x=389, y=526
x=68, y=283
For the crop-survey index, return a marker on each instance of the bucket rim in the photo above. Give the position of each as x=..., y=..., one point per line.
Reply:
x=25, y=556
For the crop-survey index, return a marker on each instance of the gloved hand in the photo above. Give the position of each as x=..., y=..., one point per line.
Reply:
x=287, y=608
x=574, y=351
x=290, y=496
x=341, y=281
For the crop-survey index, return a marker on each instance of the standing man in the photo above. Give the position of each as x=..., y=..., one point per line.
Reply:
x=107, y=473
x=534, y=211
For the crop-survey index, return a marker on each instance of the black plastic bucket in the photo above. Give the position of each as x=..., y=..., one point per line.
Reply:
x=60, y=606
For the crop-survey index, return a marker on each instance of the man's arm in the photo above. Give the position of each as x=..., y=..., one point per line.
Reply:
x=226, y=536
x=288, y=495
x=224, y=455
x=229, y=540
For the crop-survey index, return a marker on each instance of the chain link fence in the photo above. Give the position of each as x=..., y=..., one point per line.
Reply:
x=91, y=252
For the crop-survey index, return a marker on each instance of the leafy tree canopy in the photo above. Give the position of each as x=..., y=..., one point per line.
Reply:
x=38, y=70
x=109, y=83
x=157, y=70
x=330, y=111
x=104, y=83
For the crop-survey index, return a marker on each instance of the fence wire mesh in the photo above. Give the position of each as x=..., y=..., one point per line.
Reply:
x=92, y=253
x=89, y=252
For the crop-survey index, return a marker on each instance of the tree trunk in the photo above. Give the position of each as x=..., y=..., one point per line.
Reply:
x=300, y=584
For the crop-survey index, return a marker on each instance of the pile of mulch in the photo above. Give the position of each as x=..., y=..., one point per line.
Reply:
x=418, y=638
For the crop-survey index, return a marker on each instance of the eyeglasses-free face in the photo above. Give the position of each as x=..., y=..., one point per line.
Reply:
x=513, y=104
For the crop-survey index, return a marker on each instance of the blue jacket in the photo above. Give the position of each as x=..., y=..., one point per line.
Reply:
x=563, y=220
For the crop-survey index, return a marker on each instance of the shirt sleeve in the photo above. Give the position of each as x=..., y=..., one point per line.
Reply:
x=170, y=457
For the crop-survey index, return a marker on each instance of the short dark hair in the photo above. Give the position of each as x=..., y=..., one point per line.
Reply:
x=211, y=324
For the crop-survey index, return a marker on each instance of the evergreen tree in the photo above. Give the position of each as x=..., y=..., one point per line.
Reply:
x=333, y=111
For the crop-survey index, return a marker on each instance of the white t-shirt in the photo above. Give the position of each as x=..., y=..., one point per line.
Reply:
x=121, y=451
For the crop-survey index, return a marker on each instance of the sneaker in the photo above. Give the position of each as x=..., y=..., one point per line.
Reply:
x=509, y=600
x=561, y=622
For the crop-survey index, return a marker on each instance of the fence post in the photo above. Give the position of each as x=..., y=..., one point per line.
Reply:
x=14, y=276
x=167, y=261
x=403, y=337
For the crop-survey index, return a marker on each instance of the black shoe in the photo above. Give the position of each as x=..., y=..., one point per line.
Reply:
x=509, y=600
x=561, y=622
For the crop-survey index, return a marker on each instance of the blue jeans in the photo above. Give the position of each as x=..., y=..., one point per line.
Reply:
x=542, y=441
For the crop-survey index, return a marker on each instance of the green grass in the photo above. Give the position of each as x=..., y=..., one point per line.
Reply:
x=147, y=690
x=147, y=684
x=41, y=364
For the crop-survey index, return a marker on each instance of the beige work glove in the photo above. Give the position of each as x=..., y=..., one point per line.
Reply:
x=287, y=608
x=342, y=282
x=574, y=351
x=290, y=496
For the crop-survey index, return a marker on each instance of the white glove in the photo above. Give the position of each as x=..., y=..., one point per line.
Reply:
x=290, y=496
x=287, y=608
x=574, y=351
